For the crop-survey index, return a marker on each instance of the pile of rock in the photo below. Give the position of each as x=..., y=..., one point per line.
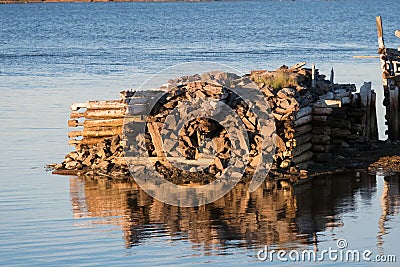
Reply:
x=200, y=137
x=311, y=119
x=289, y=97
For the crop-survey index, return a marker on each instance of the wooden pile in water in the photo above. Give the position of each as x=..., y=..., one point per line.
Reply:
x=314, y=119
x=390, y=66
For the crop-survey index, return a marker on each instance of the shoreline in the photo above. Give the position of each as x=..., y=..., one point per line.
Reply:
x=96, y=1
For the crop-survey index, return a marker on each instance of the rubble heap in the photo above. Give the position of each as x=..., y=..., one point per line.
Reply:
x=315, y=119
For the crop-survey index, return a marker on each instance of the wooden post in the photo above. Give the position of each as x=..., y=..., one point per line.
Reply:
x=365, y=95
x=332, y=76
x=374, y=134
x=394, y=114
x=386, y=82
x=313, y=76
x=381, y=43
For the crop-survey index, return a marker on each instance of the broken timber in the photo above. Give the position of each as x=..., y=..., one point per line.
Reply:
x=390, y=66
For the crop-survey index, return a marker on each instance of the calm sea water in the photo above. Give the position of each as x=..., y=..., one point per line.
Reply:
x=54, y=54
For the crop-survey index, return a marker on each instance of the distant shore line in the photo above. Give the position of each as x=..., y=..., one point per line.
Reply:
x=90, y=1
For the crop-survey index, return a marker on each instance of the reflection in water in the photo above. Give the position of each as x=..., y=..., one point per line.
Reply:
x=390, y=203
x=283, y=218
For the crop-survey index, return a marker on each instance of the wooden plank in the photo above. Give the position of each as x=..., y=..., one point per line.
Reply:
x=104, y=104
x=106, y=122
x=397, y=33
x=69, y=172
x=303, y=157
x=365, y=95
x=381, y=43
x=297, y=66
x=374, y=135
x=99, y=132
x=99, y=114
x=301, y=149
x=303, y=112
x=393, y=126
x=103, y=123
x=303, y=120
x=156, y=139
x=322, y=111
x=366, y=56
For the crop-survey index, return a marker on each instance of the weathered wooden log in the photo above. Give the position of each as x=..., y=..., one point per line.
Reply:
x=320, y=118
x=291, y=133
x=331, y=103
x=303, y=112
x=322, y=111
x=322, y=148
x=297, y=66
x=393, y=126
x=321, y=140
x=301, y=149
x=105, y=104
x=303, y=120
x=303, y=157
x=97, y=123
x=99, y=132
x=324, y=130
x=327, y=96
x=340, y=133
x=365, y=94
x=99, y=114
x=374, y=135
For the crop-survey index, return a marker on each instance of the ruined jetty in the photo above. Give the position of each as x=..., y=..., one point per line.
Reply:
x=316, y=122
x=390, y=65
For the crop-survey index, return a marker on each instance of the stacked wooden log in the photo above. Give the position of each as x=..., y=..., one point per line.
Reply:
x=342, y=117
x=289, y=99
x=98, y=131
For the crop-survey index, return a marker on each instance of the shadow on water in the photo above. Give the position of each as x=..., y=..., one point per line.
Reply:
x=285, y=218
